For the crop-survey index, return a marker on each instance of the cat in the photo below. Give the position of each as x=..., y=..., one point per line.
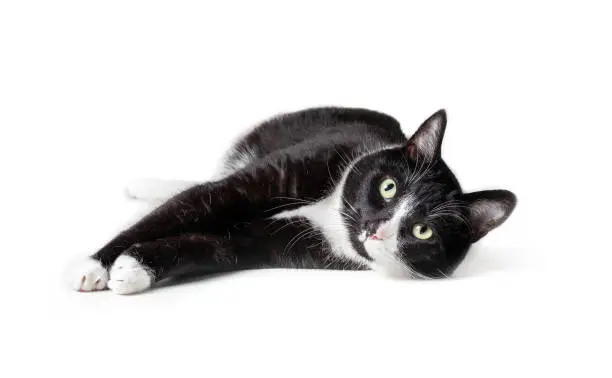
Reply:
x=321, y=188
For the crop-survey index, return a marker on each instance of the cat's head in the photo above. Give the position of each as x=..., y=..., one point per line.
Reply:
x=406, y=212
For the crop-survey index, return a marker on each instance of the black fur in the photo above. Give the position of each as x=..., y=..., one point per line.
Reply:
x=297, y=159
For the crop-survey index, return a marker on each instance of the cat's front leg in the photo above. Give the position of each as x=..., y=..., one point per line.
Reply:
x=143, y=264
x=205, y=209
x=181, y=214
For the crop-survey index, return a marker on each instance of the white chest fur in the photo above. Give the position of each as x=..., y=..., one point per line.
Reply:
x=326, y=216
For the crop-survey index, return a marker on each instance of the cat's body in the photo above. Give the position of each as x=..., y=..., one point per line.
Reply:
x=319, y=189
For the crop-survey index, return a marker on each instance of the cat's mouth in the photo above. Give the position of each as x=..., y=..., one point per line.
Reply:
x=365, y=236
x=381, y=233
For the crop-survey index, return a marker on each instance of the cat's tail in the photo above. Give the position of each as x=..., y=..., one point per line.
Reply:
x=155, y=190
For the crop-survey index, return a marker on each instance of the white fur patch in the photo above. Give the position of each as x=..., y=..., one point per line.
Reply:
x=385, y=251
x=363, y=236
x=89, y=275
x=128, y=276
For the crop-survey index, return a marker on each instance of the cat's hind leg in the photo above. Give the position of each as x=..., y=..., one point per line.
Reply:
x=156, y=190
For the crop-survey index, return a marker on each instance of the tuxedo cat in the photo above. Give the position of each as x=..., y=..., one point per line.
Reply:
x=325, y=188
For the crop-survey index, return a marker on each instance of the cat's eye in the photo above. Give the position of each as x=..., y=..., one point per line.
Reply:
x=388, y=188
x=422, y=231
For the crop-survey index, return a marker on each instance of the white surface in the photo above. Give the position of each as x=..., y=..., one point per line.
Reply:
x=93, y=94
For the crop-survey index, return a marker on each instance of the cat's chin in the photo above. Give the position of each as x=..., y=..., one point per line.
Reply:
x=385, y=261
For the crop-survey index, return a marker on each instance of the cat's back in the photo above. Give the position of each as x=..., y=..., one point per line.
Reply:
x=319, y=125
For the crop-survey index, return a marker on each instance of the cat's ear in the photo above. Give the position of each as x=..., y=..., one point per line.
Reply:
x=487, y=210
x=427, y=140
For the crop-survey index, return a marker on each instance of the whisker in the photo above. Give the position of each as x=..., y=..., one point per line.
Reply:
x=298, y=237
x=295, y=221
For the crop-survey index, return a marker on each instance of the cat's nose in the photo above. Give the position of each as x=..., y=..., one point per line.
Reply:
x=371, y=226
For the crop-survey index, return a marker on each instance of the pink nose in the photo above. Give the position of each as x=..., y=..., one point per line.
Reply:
x=379, y=235
x=376, y=231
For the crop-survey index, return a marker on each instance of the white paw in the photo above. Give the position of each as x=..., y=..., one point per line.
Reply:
x=128, y=276
x=89, y=275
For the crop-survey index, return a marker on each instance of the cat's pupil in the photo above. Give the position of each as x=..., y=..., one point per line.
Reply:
x=389, y=187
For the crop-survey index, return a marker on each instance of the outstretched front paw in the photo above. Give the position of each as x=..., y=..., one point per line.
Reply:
x=128, y=276
x=90, y=275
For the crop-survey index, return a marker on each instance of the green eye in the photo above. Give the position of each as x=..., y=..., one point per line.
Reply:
x=388, y=188
x=421, y=231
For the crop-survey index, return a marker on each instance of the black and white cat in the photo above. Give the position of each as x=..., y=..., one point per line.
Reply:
x=327, y=188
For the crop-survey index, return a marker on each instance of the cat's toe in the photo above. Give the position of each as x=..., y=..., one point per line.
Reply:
x=90, y=275
x=128, y=276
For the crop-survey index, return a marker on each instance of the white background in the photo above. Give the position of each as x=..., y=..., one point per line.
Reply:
x=95, y=93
